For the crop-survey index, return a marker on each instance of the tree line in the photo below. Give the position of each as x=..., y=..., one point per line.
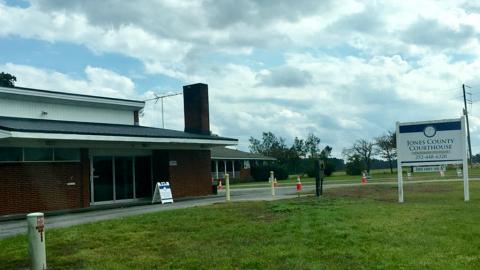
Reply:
x=361, y=154
x=297, y=157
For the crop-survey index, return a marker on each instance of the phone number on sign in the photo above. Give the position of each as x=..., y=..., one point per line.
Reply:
x=430, y=156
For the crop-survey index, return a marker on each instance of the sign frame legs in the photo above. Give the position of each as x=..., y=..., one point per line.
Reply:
x=400, y=183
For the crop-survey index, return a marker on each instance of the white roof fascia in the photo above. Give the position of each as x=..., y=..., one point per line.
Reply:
x=72, y=97
x=246, y=158
x=107, y=138
x=5, y=134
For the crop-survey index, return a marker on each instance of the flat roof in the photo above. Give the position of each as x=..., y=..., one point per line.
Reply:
x=68, y=98
x=227, y=153
x=39, y=128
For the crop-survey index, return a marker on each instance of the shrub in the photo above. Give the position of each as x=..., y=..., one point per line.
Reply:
x=354, y=166
x=262, y=173
x=329, y=169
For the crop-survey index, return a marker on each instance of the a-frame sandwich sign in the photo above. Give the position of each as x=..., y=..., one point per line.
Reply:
x=162, y=193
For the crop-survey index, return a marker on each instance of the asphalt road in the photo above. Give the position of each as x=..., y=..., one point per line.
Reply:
x=11, y=228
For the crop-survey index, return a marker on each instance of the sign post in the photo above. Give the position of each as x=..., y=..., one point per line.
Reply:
x=319, y=174
x=432, y=143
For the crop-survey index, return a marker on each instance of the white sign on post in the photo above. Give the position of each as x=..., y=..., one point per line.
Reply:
x=432, y=143
x=162, y=193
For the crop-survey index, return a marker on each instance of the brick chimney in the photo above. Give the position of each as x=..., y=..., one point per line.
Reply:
x=195, y=106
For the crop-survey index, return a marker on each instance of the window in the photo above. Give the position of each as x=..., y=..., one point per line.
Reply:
x=38, y=154
x=11, y=154
x=67, y=154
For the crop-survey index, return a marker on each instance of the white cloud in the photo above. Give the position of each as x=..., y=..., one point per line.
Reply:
x=344, y=69
x=99, y=81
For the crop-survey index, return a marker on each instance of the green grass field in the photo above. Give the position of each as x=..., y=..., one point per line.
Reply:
x=380, y=175
x=360, y=227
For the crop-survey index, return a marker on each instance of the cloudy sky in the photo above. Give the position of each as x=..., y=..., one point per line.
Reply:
x=343, y=70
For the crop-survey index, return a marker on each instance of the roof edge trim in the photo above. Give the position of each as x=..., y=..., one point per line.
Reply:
x=5, y=134
x=244, y=158
x=71, y=97
x=108, y=138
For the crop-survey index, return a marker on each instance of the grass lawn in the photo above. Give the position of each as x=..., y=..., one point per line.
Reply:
x=350, y=228
x=380, y=175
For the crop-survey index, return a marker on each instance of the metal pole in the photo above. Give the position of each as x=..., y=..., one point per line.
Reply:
x=36, y=241
x=399, y=171
x=317, y=178
x=163, y=122
x=466, y=190
x=322, y=174
x=227, y=184
x=465, y=111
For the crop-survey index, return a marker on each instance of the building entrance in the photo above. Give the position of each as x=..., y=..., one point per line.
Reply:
x=120, y=178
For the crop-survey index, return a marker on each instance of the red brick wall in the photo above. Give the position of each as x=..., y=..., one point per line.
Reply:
x=28, y=187
x=85, y=178
x=191, y=176
x=245, y=174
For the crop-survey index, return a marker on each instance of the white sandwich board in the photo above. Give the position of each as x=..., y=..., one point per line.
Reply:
x=432, y=143
x=162, y=193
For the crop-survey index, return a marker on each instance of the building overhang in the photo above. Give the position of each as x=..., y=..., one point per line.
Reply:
x=16, y=135
x=243, y=158
x=5, y=134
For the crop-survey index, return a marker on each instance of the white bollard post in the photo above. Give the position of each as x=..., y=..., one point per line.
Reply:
x=272, y=178
x=36, y=241
x=227, y=185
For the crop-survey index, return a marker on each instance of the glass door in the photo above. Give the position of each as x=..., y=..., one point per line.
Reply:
x=116, y=178
x=102, y=179
x=143, y=177
x=123, y=178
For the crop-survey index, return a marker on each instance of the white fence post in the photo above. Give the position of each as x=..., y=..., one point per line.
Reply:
x=36, y=241
x=272, y=182
x=227, y=184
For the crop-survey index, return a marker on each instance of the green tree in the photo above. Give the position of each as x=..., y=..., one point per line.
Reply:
x=299, y=148
x=355, y=165
x=325, y=154
x=7, y=80
x=312, y=145
x=271, y=146
x=297, y=152
x=387, y=147
x=364, y=149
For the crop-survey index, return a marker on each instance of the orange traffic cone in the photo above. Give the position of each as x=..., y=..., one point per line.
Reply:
x=299, y=186
x=275, y=182
x=364, y=179
x=219, y=184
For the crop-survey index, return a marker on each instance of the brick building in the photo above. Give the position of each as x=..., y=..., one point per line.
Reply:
x=64, y=151
x=236, y=163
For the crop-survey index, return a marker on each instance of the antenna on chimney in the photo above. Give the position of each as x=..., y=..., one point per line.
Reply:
x=161, y=97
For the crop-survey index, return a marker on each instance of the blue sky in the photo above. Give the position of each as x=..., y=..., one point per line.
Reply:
x=344, y=70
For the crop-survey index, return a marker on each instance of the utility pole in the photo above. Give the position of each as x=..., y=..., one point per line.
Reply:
x=465, y=112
